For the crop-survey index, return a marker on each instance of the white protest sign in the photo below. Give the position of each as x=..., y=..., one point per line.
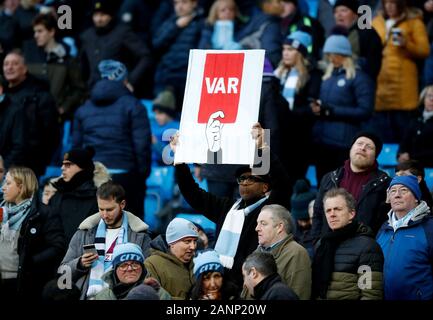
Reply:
x=221, y=103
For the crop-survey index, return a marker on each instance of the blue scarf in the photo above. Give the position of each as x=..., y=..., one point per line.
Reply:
x=13, y=217
x=228, y=239
x=100, y=266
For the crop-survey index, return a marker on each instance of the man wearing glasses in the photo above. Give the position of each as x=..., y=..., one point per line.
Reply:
x=407, y=243
x=236, y=220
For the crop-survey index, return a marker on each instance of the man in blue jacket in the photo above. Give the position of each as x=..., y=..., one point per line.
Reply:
x=116, y=125
x=407, y=243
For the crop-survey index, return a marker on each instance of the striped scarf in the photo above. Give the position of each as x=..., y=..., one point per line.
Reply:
x=228, y=239
x=289, y=89
x=100, y=266
x=13, y=217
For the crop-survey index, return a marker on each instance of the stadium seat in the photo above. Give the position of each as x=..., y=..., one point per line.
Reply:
x=162, y=178
x=388, y=156
x=148, y=104
x=311, y=176
x=429, y=178
x=152, y=204
x=67, y=137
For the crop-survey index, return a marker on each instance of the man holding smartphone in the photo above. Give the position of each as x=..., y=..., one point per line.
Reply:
x=90, y=251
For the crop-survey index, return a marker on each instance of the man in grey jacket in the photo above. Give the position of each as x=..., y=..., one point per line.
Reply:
x=111, y=226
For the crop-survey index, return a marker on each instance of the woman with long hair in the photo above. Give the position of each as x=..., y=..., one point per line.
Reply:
x=31, y=239
x=300, y=82
x=221, y=24
x=346, y=102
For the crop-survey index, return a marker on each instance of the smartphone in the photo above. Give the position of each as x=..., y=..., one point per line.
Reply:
x=90, y=248
x=396, y=33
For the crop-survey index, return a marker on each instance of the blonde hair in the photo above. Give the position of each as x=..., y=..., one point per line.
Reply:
x=26, y=178
x=348, y=66
x=423, y=94
x=100, y=174
x=213, y=12
x=301, y=65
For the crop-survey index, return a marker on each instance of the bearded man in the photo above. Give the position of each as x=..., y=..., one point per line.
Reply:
x=361, y=177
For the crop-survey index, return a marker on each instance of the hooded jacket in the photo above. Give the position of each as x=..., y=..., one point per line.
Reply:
x=174, y=276
x=408, y=255
x=116, y=125
x=86, y=233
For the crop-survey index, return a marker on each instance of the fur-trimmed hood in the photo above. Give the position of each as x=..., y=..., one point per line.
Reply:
x=135, y=223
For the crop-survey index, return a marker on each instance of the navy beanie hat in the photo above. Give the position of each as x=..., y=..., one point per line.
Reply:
x=411, y=182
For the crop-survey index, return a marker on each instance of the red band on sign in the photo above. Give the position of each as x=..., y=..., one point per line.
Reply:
x=221, y=86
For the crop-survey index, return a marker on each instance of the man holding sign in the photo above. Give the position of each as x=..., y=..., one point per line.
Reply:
x=236, y=220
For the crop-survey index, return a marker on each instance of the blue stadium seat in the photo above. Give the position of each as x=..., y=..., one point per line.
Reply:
x=51, y=171
x=311, y=176
x=148, y=104
x=429, y=177
x=160, y=187
x=162, y=178
x=388, y=156
x=67, y=137
x=152, y=205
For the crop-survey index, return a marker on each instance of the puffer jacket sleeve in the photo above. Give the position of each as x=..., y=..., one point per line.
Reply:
x=371, y=257
x=417, y=44
x=363, y=89
x=166, y=34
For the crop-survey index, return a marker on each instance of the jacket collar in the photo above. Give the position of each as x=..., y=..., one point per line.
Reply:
x=135, y=223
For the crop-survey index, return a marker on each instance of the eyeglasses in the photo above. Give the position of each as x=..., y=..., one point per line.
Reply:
x=249, y=179
x=401, y=191
x=134, y=266
x=67, y=164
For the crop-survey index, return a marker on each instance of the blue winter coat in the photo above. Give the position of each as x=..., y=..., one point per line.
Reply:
x=115, y=123
x=346, y=104
x=408, y=253
x=174, y=44
x=270, y=39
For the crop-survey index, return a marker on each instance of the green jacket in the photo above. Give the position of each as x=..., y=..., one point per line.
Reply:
x=173, y=275
x=294, y=266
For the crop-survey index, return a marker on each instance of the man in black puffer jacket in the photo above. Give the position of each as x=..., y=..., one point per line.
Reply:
x=348, y=262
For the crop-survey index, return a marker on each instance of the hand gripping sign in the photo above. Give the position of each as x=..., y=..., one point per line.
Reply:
x=221, y=103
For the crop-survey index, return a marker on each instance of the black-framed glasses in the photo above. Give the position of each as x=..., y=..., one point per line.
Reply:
x=249, y=179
